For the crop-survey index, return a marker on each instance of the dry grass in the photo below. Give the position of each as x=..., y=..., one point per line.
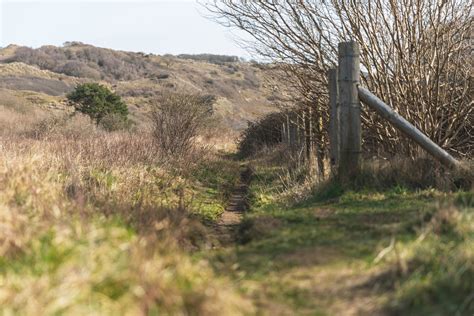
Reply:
x=93, y=223
x=300, y=179
x=419, y=173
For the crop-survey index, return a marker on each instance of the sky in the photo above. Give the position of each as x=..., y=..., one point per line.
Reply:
x=150, y=26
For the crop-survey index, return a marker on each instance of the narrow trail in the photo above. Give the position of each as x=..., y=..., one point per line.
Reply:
x=228, y=224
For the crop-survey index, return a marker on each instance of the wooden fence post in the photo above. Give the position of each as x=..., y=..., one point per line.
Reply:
x=297, y=132
x=311, y=136
x=288, y=138
x=333, y=118
x=293, y=132
x=350, y=122
x=283, y=133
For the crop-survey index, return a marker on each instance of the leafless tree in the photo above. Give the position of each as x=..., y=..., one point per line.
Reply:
x=416, y=55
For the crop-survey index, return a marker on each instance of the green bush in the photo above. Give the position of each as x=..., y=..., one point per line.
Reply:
x=98, y=102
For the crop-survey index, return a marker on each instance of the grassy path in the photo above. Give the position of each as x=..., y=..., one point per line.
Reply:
x=322, y=257
x=230, y=220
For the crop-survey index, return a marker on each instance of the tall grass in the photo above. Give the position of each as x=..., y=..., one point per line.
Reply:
x=300, y=179
x=94, y=223
x=434, y=275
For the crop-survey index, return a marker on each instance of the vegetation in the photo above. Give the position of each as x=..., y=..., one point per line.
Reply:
x=146, y=221
x=100, y=104
x=140, y=79
x=86, y=61
x=211, y=58
x=389, y=250
x=93, y=222
x=266, y=132
x=413, y=55
x=178, y=120
x=87, y=214
x=397, y=238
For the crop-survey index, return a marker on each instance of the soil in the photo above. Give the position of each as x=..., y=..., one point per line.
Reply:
x=228, y=224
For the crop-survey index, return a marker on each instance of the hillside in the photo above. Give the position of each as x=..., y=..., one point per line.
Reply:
x=49, y=72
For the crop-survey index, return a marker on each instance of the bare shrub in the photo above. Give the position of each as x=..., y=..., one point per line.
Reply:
x=178, y=120
x=87, y=61
x=33, y=57
x=47, y=127
x=210, y=58
x=413, y=56
x=262, y=133
x=78, y=69
x=114, y=122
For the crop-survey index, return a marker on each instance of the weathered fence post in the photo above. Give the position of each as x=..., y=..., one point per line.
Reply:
x=303, y=132
x=350, y=122
x=333, y=118
x=288, y=137
x=310, y=136
x=292, y=131
x=297, y=127
x=283, y=133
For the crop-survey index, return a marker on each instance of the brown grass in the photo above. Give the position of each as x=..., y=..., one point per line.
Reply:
x=93, y=223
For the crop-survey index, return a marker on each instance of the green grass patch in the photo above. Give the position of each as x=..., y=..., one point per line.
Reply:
x=285, y=247
x=216, y=179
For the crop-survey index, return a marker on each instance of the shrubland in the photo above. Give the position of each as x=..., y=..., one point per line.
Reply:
x=86, y=61
x=211, y=58
x=240, y=90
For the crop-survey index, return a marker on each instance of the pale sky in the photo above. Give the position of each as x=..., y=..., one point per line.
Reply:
x=151, y=26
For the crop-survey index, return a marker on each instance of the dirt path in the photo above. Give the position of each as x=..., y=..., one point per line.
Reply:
x=230, y=220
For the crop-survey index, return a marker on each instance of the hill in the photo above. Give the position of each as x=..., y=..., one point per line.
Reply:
x=241, y=88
